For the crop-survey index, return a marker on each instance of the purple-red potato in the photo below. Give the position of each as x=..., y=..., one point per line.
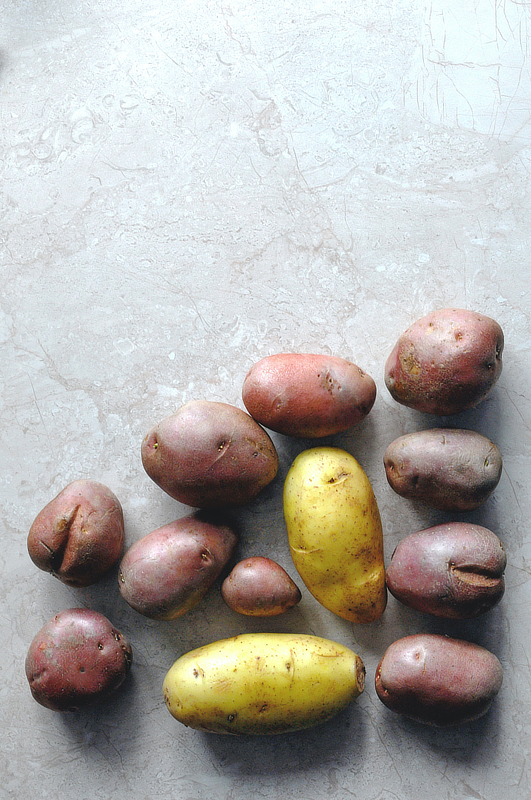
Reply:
x=445, y=468
x=446, y=362
x=79, y=535
x=259, y=587
x=454, y=570
x=308, y=395
x=77, y=658
x=210, y=455
x=438, y=680
x=169, y=571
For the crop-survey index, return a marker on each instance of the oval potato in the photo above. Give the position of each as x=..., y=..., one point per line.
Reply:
x=259, y=587
x=335, y=533
x=446, y=362
x=263, y=683
x=210, y=455
x=453, y=570
x=166, y=573
x=308, y=395
x=438, y=680
x=79, y=535
x=76, y=659
x=445, y=468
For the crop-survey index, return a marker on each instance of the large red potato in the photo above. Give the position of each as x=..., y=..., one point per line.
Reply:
x=445, y=468
x=169, y=571
x=438, y=680
x=446, y=362
x=453, y=570
x=76, y=659
x=79, y=535
x=308, y=395
x=210, y=455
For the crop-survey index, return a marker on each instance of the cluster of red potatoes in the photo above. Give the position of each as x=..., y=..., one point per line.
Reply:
x=212, y=456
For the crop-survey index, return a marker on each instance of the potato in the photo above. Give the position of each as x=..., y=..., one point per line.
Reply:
x=76, y=659
x=335, y=533
x=259, y=587
x=445, y=468
x=308, y=395
x=454, y=570
x=79, y=535
x=438, y=680
x=446, y=362
x=210, y=455
x=263, y=683
x=169, y=571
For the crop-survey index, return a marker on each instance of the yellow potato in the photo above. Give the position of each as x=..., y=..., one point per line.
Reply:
x=263, y=683
x=335, y=533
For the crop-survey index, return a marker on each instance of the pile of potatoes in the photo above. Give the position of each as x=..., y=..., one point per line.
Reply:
x=213, y=456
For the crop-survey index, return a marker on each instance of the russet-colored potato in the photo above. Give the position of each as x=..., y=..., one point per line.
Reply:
x=445, y=362
x=308, y=395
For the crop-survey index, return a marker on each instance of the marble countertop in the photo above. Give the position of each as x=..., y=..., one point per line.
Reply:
x=188, y=187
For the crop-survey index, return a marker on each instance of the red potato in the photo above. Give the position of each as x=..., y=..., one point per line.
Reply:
x=76, y=659
x=210, y=455
x=445, y=468
x=79, y=535
x=446, y=362
x=308, y=395
x=438, y=680
x=259, y=587
x=454, y=570
x=168, y=572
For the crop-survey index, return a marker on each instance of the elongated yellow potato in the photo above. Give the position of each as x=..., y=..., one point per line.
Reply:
x=335, y=533
x=263, y=683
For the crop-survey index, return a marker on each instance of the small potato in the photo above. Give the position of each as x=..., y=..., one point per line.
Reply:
x=168, y=572
x=308, y=395
x=210, y=455
x=445, y=468
x=446, y=362
x=438, y=680
x=79, y=535
x=76, y=659
x=454, y=570
x=259, y=587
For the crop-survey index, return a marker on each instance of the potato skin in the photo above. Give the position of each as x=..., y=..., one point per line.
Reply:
x=79, y=535
x=259, y=587
x=335, y=533
x=438, y=680
x=446, y=362
x=168, y=572
x=77, y=658
x=263, y=683
x=308, y=395
x=210, y=455
x=445, y=468
x=453, y=570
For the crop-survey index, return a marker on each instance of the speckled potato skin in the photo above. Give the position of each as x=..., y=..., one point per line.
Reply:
x=263, y=683
x=259, y=587
x=438, y=680
x=335, y=533
x=453, y=570
x=79, y=535
x=445, y=468
x=76, y=659
x=169, y=571
x=446, y=362
x=210, y=455
x=308, y=395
